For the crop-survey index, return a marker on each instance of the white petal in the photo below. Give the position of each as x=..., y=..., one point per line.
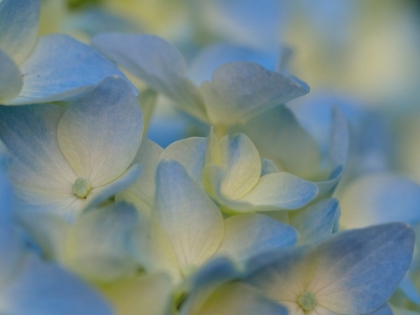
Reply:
x=18, y=27
x=241, y=90
x=100, y=134
x=10, y=78
x=61, y=68
x=190, y=153
x=242, y=165
x=193, y=223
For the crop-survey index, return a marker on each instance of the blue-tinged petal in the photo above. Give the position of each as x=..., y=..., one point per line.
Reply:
x=240, y=90
x=268, y=167
x=144, y=295
x=46, y=289
x=190, y=153
x=380, y=198
x=97, y=246
x=61, y=68
x=281, y=190
x=10, y=78
x=210, y=59
x=29, y=132
x=100, y=134
x=354, y=272
x=242, y=165
x=192, y=222
x=240, y=298
x=99, y=195
x=409, y=289
x=317, y=221
x=156, y=62
x=18, y=27
x=248, y=235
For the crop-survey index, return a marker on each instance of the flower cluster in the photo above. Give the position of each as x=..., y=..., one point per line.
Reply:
x=235, y=217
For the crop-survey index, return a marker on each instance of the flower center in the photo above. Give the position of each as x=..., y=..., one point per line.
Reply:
x=81, y=187
x=307, y=301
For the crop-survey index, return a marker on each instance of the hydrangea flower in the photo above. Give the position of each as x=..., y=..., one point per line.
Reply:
x=354, y=272
x=51, y=68
x=236, y=92
x=67, y=159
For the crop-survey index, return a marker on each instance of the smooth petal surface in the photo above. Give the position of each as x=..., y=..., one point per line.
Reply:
x=96, y=247
x=190, y=153
x=240, y=298
x=192, y=222
x=354, y=272
x=156, y=62
x=10, y=78
x=144, y=295
x=18, y=27
x=249, y=235
x=100, y=134
x=61, y=68
x=240, y=90
x=317, y=221
x=281, y=191
x=242, y=165
x=380, y=198
x=45, y=289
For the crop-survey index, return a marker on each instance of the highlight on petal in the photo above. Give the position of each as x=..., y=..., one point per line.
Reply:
x=100, y=134
x=380, y=198
x=156, y=62
x=18, y=27
x=44, y=288
x=354, y=272
x=10, y=78
x=248, y=235
x=240, y=90
x=192, y=222
x=242, y=164
x=78, y=68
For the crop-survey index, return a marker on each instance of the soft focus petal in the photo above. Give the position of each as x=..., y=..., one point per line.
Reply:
x=240, y=298
x=10, y=78
x=248, y=235
x=190, y=153
x=156, y=62
x=192, y=222
x=240, y=90
x=317, y=221
x=44, y=289
x=380, y=198
x=18, y=27
x=281, y=191
x=61, y=68
x=97, y=244
x=242, y=165
x=143, y=295
x=100, y=134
